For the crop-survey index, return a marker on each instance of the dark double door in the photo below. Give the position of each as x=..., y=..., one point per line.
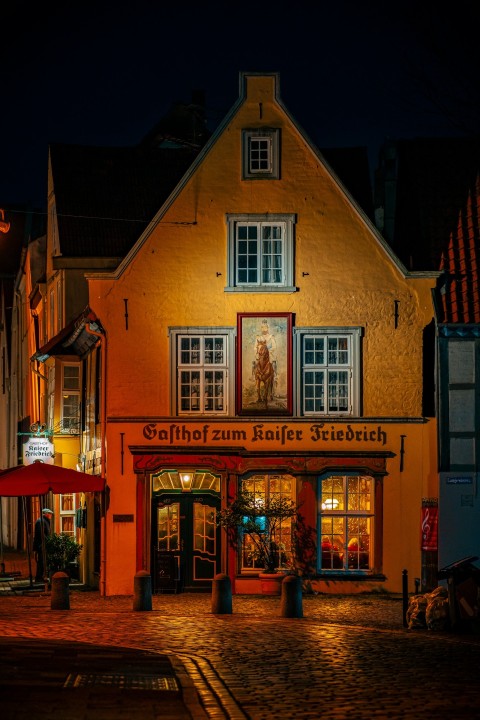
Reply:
x=186, y=542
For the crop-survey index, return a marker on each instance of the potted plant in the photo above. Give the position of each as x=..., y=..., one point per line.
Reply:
x=62, y=552
x=260, y=520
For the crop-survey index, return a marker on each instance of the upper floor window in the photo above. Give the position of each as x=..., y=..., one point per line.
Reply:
x=260, y=252
x=54, y=230
x=261, y=154
x=200, y=363
x=59, y=302
x=70, y=407
x=346, y=523
x=51, y=312
x=328, y=362
x=51, y=397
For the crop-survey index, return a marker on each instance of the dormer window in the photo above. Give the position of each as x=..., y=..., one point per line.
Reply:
x=261, y=154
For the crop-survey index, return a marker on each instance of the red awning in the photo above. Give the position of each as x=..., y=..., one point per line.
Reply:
x=40, y=478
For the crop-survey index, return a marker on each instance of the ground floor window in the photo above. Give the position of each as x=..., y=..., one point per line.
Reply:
x=266, y=487
x=67, y=513
x=346, y=523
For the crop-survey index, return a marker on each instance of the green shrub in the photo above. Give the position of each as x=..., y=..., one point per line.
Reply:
x=62, y=550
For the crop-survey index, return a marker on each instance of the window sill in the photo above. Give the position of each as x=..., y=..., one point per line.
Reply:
x=348, y=575
x=261, y=289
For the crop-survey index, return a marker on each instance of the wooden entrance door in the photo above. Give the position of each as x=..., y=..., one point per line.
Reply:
x=186, y=542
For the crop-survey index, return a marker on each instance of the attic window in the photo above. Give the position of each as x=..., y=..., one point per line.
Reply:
x=261, y=154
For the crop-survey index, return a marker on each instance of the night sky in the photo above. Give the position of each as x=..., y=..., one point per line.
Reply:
x=351, y=73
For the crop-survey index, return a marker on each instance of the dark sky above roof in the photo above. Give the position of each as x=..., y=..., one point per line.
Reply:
x=351, y=74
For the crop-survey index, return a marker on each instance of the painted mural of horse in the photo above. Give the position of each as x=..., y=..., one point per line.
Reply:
x=264, y=374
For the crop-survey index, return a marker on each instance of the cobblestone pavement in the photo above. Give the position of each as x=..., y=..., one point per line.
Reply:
x=348, y=657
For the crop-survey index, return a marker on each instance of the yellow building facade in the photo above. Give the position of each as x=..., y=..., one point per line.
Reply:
x=262, y=335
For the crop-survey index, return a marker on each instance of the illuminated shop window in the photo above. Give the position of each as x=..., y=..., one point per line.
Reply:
x=268, y=487
x=346, y=523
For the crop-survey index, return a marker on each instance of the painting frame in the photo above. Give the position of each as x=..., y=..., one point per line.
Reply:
x=264, y=338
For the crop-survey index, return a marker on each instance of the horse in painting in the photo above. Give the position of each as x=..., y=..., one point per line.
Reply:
x=264, y=374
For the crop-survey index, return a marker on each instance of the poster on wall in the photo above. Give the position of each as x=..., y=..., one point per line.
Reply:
x=429, y=528
x=264, y=379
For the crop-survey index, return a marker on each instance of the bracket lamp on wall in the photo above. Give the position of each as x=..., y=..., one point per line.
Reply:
x=186, y=480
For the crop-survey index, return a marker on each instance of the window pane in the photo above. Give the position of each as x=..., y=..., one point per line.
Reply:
x=269, y=487
x=214, y=390
x=332, y=546
x=204, y=528
x=168, y=528
x=189, y=350
x=346, y=522
x=338, y=391
x=260, y=153
x=247, y=253
x=203, y=389
x=66, y=503
x=313, y=351
x=272, y=253
x=71, y=411
x=358, y=549
x=338, y=351
x=67, y=524
x=71, y=377
x=190, y=390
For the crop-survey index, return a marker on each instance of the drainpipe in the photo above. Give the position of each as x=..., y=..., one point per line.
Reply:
x=102, y=341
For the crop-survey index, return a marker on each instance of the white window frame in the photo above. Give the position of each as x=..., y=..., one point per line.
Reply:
x=59, y=302
x=51, y=312
x=236, y=225
x=71, y=428
x=51, y=397
x=261, y=153
x=54, y=229
x=339, y=557
x=69, y=514
x=352, y=367
x=224, y=365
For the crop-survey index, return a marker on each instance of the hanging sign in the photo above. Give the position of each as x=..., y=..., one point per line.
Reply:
x=38, y=449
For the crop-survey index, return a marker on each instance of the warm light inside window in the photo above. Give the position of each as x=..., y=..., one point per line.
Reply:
x=330, y=504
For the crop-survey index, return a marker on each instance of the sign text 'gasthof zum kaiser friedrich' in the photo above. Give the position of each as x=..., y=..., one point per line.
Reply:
x=283, y=435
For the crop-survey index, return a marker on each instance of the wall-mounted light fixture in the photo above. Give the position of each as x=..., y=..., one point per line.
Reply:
x=186, y=480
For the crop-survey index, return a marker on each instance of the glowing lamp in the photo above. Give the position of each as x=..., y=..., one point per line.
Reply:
x=186, y=480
